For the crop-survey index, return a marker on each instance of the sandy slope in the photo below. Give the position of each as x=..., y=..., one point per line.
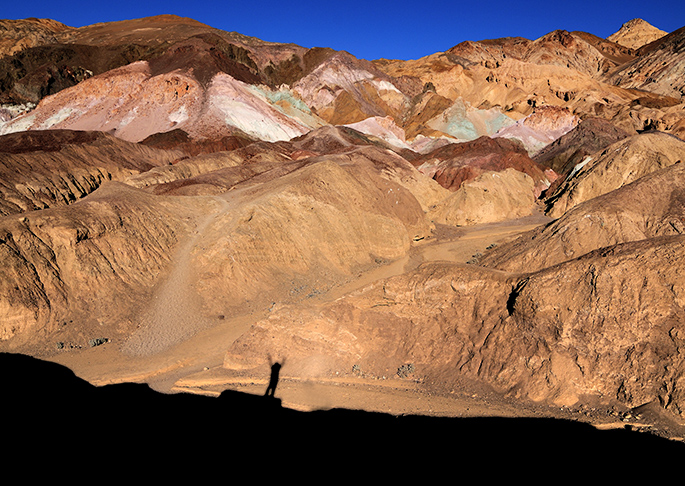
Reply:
x=168, y=354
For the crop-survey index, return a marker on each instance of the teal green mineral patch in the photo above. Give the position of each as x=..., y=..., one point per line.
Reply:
x=466, y=124
x=462, y=129
x=283, y=95
x=498, y=122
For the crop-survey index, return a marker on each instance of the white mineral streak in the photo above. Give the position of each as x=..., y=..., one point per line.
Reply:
x=383, y=128
x=242, y=107
x=19, y=124
x=321, y=86
x=579, y=166
x=179, y=116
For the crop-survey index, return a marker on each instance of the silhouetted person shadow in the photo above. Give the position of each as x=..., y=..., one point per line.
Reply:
x=273, y=381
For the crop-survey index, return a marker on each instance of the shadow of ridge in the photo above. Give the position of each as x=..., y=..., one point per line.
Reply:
x=48, y=404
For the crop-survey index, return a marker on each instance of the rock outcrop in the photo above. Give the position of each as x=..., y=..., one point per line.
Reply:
x=134, y=103
x=68, y=271
x=544, y=336
x=636, y=33
x=589, y=136
x=451, y=165
x=657, y=67
x=21, y=34
x=489, y=198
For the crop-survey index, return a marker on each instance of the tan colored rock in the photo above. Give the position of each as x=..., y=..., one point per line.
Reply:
x=608, y=321
x=619, y=164
x=68, y=271
x=649, y=207
x=280, y=239
x=636, y=33
x=287, y=216
x=489, y=198
x=585, y=332
x=17, y=35
x=658, y=69
x=432, y=318
x=581, y=72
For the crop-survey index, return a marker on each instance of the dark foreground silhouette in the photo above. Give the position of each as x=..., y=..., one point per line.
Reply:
x=51, y=415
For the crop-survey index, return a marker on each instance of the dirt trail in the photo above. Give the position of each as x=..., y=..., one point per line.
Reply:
x=175, y=313
x=457, y=245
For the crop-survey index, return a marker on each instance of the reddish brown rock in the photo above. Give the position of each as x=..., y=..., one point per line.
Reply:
x=41, y=169
x=453, y=164
x=177, y=139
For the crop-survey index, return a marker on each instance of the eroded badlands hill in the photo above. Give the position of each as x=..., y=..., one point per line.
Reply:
x=501, y=218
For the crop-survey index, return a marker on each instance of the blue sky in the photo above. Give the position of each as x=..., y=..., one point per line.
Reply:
x=371, y=30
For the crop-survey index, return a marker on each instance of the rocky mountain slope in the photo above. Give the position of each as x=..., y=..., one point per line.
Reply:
x=473, y=89
x=636, y=33
x=184, y=206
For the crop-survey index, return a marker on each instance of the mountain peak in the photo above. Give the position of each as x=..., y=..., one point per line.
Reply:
x=636, y=33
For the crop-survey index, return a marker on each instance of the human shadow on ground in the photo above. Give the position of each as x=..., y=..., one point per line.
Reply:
x=56, y=415
x=273, y=379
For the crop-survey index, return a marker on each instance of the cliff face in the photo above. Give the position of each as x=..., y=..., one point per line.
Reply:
x=656, y=68
x=18, y=35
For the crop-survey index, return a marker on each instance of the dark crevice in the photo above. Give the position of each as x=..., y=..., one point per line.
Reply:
x=515, y=292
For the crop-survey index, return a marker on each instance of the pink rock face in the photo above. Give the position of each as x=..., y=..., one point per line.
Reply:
x=132, y=104
x=344, y=89
x=383, y=128
x=540, y=128
x=127, y=102
x=236, y=104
